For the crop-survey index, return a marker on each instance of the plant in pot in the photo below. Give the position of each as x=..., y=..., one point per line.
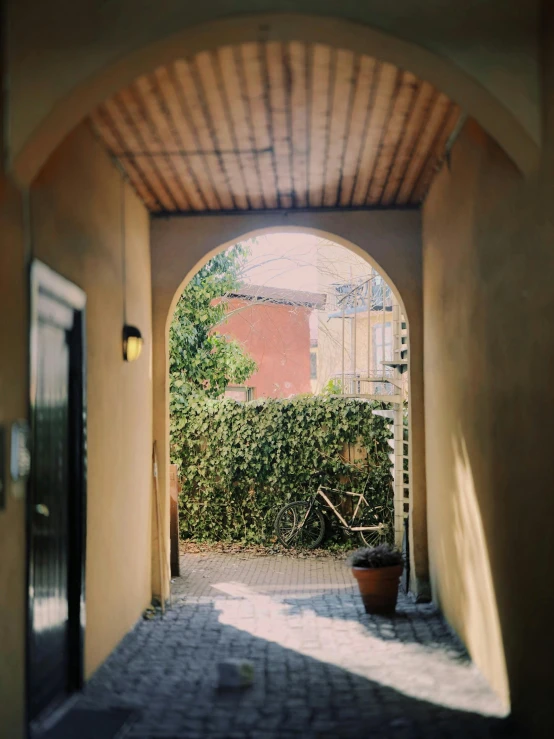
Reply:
x=377, y=570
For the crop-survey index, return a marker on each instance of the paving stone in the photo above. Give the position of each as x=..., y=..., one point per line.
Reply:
x=323, y=668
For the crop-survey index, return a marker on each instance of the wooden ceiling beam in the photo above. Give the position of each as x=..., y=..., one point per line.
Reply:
x=134, y=101
x=320, y=112
x=342, y=96
x=124, y=124
x=252, y=73
x=103, y=127
x=379, y=110
x=437, y=153
x=365, y=83
x=296, y=58
x=179, y=123
x=420, y=153
x=243, y=136
x=187, y=81
x=156, y=110
x=210, y=91
x=393, y=133
x=415, y=123
x=279, y=92
x=274, y=125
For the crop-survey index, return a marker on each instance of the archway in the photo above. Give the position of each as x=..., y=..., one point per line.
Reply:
x=395, y=235
x=466, y=91
x=388, y=241
x=281, y=230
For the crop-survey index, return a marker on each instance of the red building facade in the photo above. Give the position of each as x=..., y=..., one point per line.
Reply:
x=272, y=324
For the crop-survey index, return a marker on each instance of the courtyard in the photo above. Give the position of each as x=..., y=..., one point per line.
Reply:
x=323, y=668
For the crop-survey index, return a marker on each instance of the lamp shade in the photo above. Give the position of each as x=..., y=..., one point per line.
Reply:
x=132, y=343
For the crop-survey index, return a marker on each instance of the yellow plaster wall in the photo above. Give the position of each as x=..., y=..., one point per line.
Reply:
x=489, y=408
x=330, y=344
x=13, y=405
x=76, y=224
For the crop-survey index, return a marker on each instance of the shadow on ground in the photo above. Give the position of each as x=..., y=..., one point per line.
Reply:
x=167, y=668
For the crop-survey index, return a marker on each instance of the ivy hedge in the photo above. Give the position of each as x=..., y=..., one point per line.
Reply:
x=239, y=463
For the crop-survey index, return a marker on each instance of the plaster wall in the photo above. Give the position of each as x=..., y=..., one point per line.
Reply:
x=64, y=58
x=13, y=405
x=335, y=266
x=489, y=408
x=277, y=337
x=390, y=240
x=330, y=346
x=77, y=215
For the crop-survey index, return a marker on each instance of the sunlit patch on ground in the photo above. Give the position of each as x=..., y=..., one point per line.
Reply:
x=323, y=668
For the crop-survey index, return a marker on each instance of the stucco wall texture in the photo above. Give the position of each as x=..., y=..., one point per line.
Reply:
x=488, y=303
x=277, y=337
x=76, y=206
x=13, y=405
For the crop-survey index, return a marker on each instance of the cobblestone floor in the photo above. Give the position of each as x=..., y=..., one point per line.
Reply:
x=323, y=668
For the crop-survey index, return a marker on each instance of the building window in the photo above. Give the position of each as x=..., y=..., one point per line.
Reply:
x=240, y=393
x=381, y=353
x=313, y=365
x=377, y=296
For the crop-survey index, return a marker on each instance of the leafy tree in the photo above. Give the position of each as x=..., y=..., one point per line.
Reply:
x=332, y=387
x=201, y=360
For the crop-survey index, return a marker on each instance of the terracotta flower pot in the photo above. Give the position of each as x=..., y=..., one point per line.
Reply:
x=378, y=587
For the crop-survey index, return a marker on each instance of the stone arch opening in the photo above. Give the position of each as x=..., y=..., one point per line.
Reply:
x=399, y=258
x=394, y=255
x=466, y=91
x=282, y=230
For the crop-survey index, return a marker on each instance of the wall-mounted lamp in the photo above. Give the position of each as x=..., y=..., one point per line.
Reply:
x=132, y=337
x=132, y=343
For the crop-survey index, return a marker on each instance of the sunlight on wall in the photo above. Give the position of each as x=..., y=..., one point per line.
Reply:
x=481, y=622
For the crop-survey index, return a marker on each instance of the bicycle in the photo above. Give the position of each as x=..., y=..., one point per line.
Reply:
x=301, y=523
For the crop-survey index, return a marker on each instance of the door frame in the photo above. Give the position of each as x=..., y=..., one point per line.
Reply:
x=43, y=280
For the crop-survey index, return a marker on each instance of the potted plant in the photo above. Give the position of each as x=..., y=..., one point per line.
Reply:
x=377, y=570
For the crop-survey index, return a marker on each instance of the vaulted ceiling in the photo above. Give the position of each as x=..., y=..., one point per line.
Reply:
x=277, y=125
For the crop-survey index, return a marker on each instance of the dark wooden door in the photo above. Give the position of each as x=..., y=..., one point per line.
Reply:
x=56, y=489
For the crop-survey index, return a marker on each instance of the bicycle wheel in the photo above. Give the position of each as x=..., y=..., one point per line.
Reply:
x=381, y=519
x=296, y=527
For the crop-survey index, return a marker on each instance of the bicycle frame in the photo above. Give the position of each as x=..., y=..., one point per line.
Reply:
x=347, y=526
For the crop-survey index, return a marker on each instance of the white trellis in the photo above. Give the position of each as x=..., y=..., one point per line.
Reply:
x=379, y=371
